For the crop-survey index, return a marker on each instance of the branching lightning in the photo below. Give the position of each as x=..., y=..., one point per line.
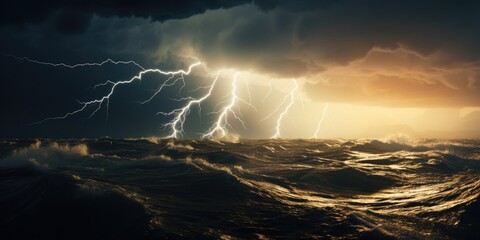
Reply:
x=106, y=98
x=282, y=115
x=320, y=121
x=220, y=128
x=181, y=114
x=75, y=65
x=270, y=88
x=172, y=80
x=228, y=105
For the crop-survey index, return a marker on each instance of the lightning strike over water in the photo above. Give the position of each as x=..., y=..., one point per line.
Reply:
x=285, y=111
x=320, y=121
x=177, y=123
x=220, y=128
x=252, y=119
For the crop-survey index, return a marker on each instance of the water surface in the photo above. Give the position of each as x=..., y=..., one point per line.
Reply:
x=252, y=189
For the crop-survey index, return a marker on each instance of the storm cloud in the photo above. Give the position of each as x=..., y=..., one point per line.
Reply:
x=431, y=48
x=379, y=53
x=73, y=16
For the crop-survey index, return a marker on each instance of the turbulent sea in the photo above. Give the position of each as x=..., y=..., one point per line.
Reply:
x=251, y=189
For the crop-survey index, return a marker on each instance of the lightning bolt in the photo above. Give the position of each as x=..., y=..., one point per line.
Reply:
x=270, y=88
x=180, y=114
x=220, y=128
x=172, y=80
x=249, y=93
x=106, y=98
x=75, y=65
x=320, y=121
x=288, y=97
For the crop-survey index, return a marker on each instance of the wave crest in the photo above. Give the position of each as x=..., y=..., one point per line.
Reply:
x=173, y=145
x=42, y=155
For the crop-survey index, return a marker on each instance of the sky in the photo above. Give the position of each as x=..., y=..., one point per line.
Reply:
x=289, y=69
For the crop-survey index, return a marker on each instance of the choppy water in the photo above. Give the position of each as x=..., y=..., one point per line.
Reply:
x=254, y=189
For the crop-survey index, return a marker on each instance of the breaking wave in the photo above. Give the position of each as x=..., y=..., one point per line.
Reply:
x=43, y=154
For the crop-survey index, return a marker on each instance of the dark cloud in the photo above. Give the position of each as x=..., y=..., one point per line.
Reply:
x=312, y=41
x=332, y=31
x=348, y=30
x=385, y=53
x=71, y=21
x=322, y=33
x=72, y=16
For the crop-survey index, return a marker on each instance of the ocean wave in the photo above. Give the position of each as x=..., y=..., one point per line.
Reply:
x=60, y=206
x=173, y=145
x=336, y=189
x=42, y=155
x=227, y=138
x=469, y=221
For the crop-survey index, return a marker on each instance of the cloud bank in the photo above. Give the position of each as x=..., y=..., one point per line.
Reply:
x=391, y=54
x=395, y=53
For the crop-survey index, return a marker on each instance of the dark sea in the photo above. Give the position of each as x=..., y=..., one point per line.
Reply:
x=251, y=189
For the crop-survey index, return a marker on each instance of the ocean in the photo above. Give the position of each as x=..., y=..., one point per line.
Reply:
x=150, y=188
